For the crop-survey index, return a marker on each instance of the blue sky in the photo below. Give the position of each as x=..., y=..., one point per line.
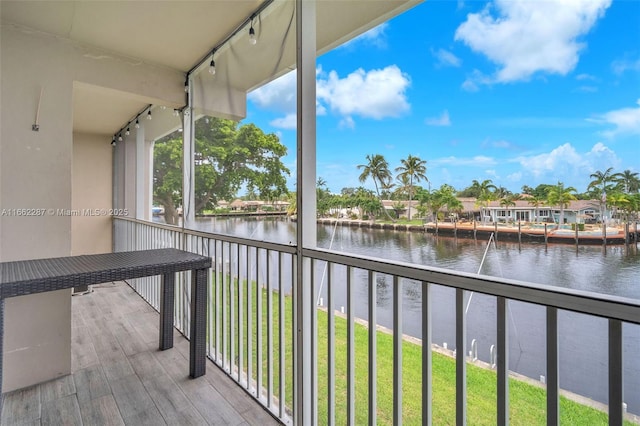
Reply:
x=519, y=92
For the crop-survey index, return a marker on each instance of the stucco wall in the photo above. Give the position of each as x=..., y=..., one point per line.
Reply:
x=37, y=171
x=91, y=191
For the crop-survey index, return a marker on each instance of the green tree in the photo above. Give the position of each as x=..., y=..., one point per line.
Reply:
x=167, y=177
x=377, y=168
x=445, y=196
x=619, y=201
x=509, y=201
x=602, y=182
x=415, y=169
x=526, y=189
x=323, y=197
x=536, y=202
x=226, y=158
x=476, y=189
x=502, y=192
x=628, y=181
x=561, y=196
x=541, y=190
x=484, y=192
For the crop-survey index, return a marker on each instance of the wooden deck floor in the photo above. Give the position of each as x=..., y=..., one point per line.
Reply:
x=119, y=377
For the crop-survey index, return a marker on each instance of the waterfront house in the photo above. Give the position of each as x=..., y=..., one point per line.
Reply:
x=87, y=87
x=577, y=211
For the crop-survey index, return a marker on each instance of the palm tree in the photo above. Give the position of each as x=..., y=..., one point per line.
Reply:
x=292, y=198
x=619, y=201
x=628, y=180
x=484, y=193
x=403, y=187
x=413, y=168
x=502, y=192
x=536, y=202
x=602, y=181
x=445, y=196
x=378, y=169
x=509, y=201
x=558, y=195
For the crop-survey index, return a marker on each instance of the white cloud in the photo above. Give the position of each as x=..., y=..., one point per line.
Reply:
x=619, y=66
x=377, y=94
x=288, y=122
x=279, y=95
x=373, y=94
x=565, y=163
x=347, y=123
x=442, y=120
x=587, y=89
x=446, y=58
x=475, y=80
x=478, y=161
x=524, y=37
x=491, y=172
x=583, y=77
x=564, y=156
x=376, y=37
x=515, y=177
x=624, y=120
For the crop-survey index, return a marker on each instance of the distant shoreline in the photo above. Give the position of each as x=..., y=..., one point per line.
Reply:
x=525, y=233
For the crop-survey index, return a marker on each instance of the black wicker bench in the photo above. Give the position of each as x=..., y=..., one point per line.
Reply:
x=37, y=276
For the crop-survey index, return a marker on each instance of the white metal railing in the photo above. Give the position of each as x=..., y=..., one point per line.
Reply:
x=252, y=282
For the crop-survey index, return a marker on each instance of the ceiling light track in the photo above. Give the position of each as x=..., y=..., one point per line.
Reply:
x=135, y=121
x=242, y=27
x=209, y=57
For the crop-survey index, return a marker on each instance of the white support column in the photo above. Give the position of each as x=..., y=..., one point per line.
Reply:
x=305, y=394
x=188, y=170
x=116, y=178
x=149, y=182
x=140, y=173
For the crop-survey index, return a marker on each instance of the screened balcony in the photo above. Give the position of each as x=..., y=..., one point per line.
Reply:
x=273, y=351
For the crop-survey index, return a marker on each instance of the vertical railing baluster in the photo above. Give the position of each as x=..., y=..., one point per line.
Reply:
x=236, y=319
x=553, y=417
x=232, y=309
x=281, y=336
x=259, y=351
x=211, y=298
x=351, y=350
x=269, y=331
x=218, y=309
x=616, y=380
x=503, y=362
x=314, y=341
x=427, y=411
x=397, y=351
x=250, y=358
x=241, y=324
x=331, y=353
x=461, y=364
x=372, y=349
x=295, y=308
x=224, y=281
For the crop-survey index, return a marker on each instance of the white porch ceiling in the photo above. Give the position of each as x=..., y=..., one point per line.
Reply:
x=177, y=34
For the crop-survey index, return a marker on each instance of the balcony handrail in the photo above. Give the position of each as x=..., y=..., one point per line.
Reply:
x=591, y=303
x=581, y=301
x=267, y=245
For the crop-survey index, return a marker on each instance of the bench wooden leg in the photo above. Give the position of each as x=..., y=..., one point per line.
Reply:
x=167, y=297
x=198, y=331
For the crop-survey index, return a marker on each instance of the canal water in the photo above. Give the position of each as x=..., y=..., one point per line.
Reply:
x=583, y=351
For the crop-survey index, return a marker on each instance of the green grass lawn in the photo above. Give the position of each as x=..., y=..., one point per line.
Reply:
x=527, y=402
